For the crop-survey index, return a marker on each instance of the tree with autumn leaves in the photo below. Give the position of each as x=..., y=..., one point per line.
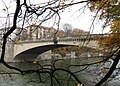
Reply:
x=108, y=11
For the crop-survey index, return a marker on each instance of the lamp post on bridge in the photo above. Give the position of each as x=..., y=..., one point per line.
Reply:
x=55, y=40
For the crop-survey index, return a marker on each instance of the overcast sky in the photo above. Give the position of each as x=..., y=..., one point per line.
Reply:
x=72, y=15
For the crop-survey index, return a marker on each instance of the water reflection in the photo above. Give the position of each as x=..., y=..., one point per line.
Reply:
x=89, y=75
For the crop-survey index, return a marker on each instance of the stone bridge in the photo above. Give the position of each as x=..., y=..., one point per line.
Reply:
x=31, y=49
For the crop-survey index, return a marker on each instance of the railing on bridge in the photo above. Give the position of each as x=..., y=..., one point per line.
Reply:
x=81, y=38
x=78, y=39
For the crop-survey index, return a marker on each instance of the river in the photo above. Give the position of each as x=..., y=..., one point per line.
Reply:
x=89, y=76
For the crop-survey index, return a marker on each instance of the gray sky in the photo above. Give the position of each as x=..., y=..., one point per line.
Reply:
x=72, y=15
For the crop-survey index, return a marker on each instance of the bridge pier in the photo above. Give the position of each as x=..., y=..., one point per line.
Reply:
x=9, y=53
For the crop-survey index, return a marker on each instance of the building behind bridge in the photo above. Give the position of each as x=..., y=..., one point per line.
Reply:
x=37, y=32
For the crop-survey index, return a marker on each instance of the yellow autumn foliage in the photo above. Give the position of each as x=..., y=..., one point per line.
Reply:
x=108, y=10
x=115, y=26
x=79, y=84
x=17, y=42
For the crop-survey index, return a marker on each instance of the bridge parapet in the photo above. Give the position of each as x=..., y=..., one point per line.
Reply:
x=79, y=39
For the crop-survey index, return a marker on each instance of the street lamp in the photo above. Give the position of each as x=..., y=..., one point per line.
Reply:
x=55, y=40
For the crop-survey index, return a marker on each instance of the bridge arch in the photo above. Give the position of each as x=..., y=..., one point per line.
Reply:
x=33, y=53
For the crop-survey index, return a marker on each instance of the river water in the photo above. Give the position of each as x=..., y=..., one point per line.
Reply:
x=89, y=76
